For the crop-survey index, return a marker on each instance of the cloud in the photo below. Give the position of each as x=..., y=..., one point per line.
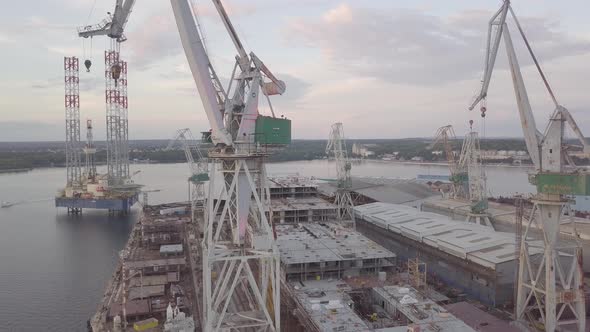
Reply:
x=14, y=131
x=93, y=83
x=149, y=46
x=297, y=88
x=156, y=39
x=339, y=15
x=413, y=47
x=5, y=40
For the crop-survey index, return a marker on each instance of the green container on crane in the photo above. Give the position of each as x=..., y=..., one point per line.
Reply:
x=562, y=184
x=272, y=131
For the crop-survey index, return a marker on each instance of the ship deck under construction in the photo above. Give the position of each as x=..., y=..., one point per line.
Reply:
x=156, y=273
x=386, y=275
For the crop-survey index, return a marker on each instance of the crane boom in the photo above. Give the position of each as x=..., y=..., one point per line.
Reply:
x=527, y=119
x=242, y=55
x=201, y=69
x=491, y=52
x=532, y=135
x=113, y=26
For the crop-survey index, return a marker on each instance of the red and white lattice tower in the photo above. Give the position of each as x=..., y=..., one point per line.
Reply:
x=117, y=122
x=72, y=105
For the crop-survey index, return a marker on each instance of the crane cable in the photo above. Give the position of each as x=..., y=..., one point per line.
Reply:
x=86, y=24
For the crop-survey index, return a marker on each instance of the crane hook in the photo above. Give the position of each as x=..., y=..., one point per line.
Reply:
x=87, y=63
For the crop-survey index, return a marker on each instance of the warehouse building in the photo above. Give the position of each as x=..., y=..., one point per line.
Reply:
x=474, y=259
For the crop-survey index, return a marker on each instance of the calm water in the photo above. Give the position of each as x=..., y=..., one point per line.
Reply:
x=53, y=268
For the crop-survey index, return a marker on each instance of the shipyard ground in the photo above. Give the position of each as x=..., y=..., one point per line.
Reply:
x=334, y=278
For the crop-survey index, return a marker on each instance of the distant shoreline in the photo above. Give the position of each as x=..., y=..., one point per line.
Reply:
x=377, y=161
x=15, y=170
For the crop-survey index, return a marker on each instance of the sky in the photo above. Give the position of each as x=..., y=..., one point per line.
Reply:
x=385, y=69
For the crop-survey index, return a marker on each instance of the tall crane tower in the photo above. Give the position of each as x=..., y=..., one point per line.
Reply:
x=459, y=179
x=72, y=106
x=89, y=152
x=337, y=146
x=199, y=170
x=550, y=288
x=470, y=159
x=117, y=123
x=240, y=257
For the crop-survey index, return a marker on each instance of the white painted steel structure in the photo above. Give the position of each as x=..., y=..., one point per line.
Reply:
x=113, y=26
x=241, y=287
x=198, y=170
x=477, y=193
x=550, y=289
x=337, y=147
x=443, y=136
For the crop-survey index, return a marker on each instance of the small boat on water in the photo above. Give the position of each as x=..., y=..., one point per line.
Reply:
x=5, y=204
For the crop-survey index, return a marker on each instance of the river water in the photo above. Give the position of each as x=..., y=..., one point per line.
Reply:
x=53, y=267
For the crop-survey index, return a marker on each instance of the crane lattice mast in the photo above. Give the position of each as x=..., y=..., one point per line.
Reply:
x=550, y=286
x=89, y=152
x=72, y=106
x=459, y=179
x=117, y=123
x=471, y=160
x=199, y=171
x=337, y=147
x=239, y=244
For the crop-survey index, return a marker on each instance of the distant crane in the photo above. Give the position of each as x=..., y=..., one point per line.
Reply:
x=199, y=170
x=337, y=147
x=550, y=288
x=115, y=90
x=89, y=152
x=113, y=26
x=470, y=158
x=459, y=178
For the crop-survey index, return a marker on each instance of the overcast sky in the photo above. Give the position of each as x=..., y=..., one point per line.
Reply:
x=385, y=69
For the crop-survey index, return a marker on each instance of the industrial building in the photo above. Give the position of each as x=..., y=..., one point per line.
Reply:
x=380, y=189
x=474, y=259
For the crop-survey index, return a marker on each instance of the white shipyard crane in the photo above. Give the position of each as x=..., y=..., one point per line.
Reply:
x=470, y=159
x=199, y=169
x=443, y=136
x=240, y=257
x=550, y=288
x=337, y=146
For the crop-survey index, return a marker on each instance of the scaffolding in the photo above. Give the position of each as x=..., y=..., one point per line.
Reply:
x=417, y=273
x=72, y=106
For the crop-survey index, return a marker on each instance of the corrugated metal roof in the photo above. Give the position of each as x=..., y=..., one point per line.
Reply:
x=386, y=190
x=475, y=243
